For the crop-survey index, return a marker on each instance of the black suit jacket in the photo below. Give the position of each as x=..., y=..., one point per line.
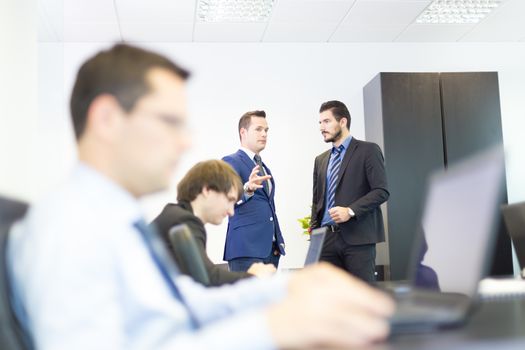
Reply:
x=182, y=213
x=362, y=186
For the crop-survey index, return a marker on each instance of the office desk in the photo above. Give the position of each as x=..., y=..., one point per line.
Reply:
x=498, y=325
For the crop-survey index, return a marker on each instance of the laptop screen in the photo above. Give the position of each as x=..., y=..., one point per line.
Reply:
x=316, y=244
x=458, y=224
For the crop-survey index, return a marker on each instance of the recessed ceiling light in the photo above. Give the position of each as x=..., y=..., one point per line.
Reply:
x=234, y=10
x=457, y=11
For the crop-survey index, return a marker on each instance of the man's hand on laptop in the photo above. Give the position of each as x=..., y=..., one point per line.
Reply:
x=326, y=307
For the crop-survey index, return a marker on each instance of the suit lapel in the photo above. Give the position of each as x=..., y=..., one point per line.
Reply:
x=348, y=155
x=246, y=160
x=323, y=169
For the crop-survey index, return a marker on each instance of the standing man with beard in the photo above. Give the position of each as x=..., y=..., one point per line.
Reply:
x=253, y=233
x=349, y=185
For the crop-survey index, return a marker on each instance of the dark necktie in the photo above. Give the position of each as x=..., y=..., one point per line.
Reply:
x=334, y=175
x=165, y=264
x=262, y=172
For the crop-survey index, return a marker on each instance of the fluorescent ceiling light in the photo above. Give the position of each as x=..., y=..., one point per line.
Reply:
x=457, y=11
x=234, y=10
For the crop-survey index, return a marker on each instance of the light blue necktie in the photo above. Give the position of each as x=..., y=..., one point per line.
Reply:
x=334, y=175
x=165, y=264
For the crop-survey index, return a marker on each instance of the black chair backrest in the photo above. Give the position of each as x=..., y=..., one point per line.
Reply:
x=187, y=254
x=12, y=335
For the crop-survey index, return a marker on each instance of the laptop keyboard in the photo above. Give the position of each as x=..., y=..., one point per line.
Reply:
x=427, y=310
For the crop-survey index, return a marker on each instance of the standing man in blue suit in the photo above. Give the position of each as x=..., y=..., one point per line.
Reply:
x=253, y=233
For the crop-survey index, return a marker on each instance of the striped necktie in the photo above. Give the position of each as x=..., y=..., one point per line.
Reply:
x=166, y=266
x=333, y=173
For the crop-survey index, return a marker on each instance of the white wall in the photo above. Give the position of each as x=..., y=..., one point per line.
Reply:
x=18, y=97
x=289, y=81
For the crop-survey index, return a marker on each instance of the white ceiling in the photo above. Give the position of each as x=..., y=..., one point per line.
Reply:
x=290, y=21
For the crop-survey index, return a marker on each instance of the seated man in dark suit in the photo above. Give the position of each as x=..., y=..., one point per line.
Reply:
x=207, y=194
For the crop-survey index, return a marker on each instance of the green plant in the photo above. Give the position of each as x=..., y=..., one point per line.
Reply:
x=305, y=224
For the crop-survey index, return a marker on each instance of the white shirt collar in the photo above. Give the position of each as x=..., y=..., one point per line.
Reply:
x=98, y=184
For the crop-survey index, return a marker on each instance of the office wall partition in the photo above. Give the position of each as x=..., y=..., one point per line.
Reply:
x=425, y=121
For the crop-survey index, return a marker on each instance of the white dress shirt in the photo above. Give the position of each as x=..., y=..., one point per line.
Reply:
x=83, y=275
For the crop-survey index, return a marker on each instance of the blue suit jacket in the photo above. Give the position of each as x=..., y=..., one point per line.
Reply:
x=251, y=228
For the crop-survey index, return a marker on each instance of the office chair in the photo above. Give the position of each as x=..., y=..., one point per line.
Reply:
x=12, y=335
x=187, y=254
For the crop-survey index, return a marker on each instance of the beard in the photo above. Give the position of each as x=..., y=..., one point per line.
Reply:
x=335, y=137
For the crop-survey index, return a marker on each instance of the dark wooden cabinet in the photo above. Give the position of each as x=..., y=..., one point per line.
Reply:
x=422, y=122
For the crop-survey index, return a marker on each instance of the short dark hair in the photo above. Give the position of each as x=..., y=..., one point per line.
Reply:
x=119, y=71
x=339, y=111
x=216, y=175
x=246, y=119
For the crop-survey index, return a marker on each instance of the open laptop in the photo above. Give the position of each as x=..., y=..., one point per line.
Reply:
x=453, y=250
x=316, y=245
x=514, y=216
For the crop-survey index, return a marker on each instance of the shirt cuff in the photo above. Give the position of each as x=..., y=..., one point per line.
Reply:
x=245, y=197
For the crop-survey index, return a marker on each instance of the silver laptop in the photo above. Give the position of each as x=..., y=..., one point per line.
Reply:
x=316, y=245
x=514, y=216
x=453, y=249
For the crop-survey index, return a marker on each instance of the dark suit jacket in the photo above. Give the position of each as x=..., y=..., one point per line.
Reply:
x=251, y=229
x=361, y=186
x=182, y=213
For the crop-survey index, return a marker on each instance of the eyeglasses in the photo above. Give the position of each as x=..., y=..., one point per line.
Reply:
x=172, y=121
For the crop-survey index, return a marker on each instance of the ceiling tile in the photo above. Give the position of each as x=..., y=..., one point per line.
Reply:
x=434, y=32
x=156, y=10
x=299, y=32
x=506, y=23
x=366, y=33
x=90, y=21
x=317, y=11
x=228, y=32
x=156, y=31
x=89, y=10
x=291, y=20
x=381, y=13
x=91, y=31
